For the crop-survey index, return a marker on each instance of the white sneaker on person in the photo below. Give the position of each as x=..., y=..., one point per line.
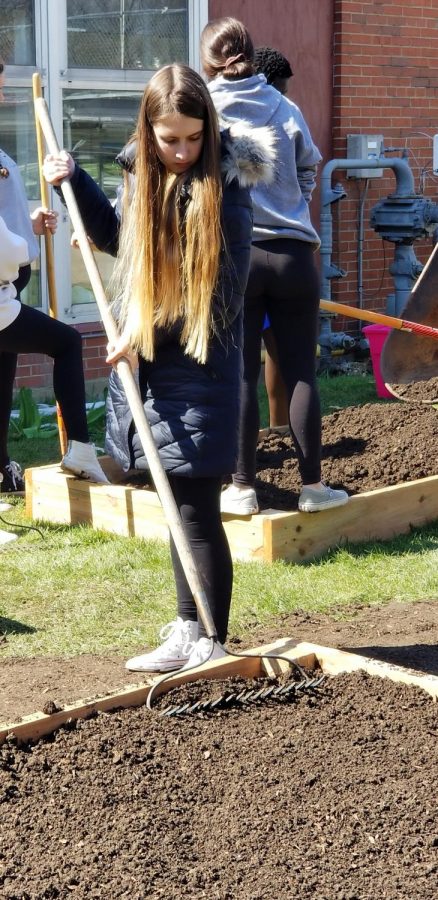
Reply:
x=179, y=637
x=316, y=499
x=239, y=501
x=200, y=652
x=81, y=460
x=279, y=430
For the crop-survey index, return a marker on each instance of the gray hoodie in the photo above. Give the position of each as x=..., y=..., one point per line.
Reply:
x=281, y=209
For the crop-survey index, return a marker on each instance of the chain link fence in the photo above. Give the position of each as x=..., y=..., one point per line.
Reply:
x=126, y=34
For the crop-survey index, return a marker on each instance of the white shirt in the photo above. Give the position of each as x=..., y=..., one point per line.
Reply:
x=13, y=206
x=13, y=254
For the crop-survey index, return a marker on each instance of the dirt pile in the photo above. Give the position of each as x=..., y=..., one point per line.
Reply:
x=334, y=798
x=364, y=448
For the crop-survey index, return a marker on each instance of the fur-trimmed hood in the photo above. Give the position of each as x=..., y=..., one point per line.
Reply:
x=248, y=154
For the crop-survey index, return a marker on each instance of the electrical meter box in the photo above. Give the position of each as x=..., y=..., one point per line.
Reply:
x=435, y=154
x=364, y=146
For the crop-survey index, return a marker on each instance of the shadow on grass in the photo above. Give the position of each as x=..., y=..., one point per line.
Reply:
x=419, y=540
x=11, y=626
x=420, y=657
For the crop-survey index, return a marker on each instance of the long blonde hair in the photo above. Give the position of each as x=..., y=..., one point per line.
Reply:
x=168, y=262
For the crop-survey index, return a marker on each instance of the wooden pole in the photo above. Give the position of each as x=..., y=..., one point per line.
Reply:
x=379, y=318
x=48, y=243
x=124, y=371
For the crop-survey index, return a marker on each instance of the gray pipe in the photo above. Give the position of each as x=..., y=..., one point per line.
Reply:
x=405, y=187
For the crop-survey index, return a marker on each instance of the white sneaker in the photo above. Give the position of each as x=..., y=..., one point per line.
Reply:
x=81, y=459
x=179, y=637
x=315, y=499
x=239, y=501
x=200, y=653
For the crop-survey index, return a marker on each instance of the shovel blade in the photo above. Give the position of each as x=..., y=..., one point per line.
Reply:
x=408, y=357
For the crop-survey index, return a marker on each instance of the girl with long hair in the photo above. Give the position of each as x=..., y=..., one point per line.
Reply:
x=182, y=236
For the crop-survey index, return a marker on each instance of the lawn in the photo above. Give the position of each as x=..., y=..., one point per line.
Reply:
x=70, y=590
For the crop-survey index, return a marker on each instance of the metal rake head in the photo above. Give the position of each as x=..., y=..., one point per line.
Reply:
x=284, y=693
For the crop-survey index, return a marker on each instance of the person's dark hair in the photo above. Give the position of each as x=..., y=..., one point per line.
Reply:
x=227, y=49
x=271, y=63
x=2, y=65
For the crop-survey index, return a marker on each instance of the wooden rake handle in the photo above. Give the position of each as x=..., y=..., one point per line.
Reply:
x=167, y=499
x=48, y=244
x=379, y=318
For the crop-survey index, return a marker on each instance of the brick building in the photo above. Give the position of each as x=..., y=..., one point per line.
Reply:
x=361, y=67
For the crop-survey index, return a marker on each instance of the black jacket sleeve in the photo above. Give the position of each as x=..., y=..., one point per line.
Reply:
x=237, y=223
x=100, y=217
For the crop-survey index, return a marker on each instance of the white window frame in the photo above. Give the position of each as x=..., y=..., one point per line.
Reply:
x=51, y=62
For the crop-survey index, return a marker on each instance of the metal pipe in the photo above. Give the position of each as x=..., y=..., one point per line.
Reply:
x=405, y=187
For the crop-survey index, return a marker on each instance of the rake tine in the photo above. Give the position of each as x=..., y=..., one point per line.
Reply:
x=169, y=711
x=268, y=691
x=257, y=694
x=230, y=699
x=197, y=706
x=241, y=696
x=214, y=704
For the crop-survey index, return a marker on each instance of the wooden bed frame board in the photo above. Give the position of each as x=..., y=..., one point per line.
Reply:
x=53, y=496
x=257, y=662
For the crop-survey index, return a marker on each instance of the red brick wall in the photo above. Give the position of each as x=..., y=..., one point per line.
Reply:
x=35, y=371
x=385, y=81
x=382, y=78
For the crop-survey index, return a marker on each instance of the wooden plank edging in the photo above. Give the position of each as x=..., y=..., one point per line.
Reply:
x=332, y=662
x=53, y=496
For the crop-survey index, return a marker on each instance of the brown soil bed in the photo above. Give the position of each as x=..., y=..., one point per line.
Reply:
x=417, y=391
x=364, y=448
x=331, y=797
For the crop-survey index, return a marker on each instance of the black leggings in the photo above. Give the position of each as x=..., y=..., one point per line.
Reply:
x=198, y=500
x=34, y=332
x=283, y=282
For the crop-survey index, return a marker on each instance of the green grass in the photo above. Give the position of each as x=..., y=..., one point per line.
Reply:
x=71, y=590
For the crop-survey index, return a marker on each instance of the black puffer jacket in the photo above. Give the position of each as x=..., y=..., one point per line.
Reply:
x=192, y=408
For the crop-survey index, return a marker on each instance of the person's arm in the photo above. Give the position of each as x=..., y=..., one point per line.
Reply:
x=307, y=155
x=44, y=219
x=237, y=226
x=307, y=180
x=100, y=218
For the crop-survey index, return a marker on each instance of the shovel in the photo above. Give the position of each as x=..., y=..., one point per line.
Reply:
x=409, y=363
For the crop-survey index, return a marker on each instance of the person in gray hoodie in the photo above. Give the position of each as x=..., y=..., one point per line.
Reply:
x=283, y=281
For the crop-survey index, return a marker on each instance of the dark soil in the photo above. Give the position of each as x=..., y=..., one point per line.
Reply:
x=417, y=391
x=332, y=798
x=364, y=448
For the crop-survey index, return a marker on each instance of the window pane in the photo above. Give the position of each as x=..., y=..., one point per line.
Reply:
x=126, y=34
x=97, y=124
x=18, y=138
x=17, y=32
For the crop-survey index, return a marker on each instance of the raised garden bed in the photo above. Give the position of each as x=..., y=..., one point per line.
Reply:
x=385, y=455
x=333, y=797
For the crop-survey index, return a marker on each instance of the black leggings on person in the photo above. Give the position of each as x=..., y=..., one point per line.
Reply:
x=198, y=500
x=283, y=282
x=34, y=332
